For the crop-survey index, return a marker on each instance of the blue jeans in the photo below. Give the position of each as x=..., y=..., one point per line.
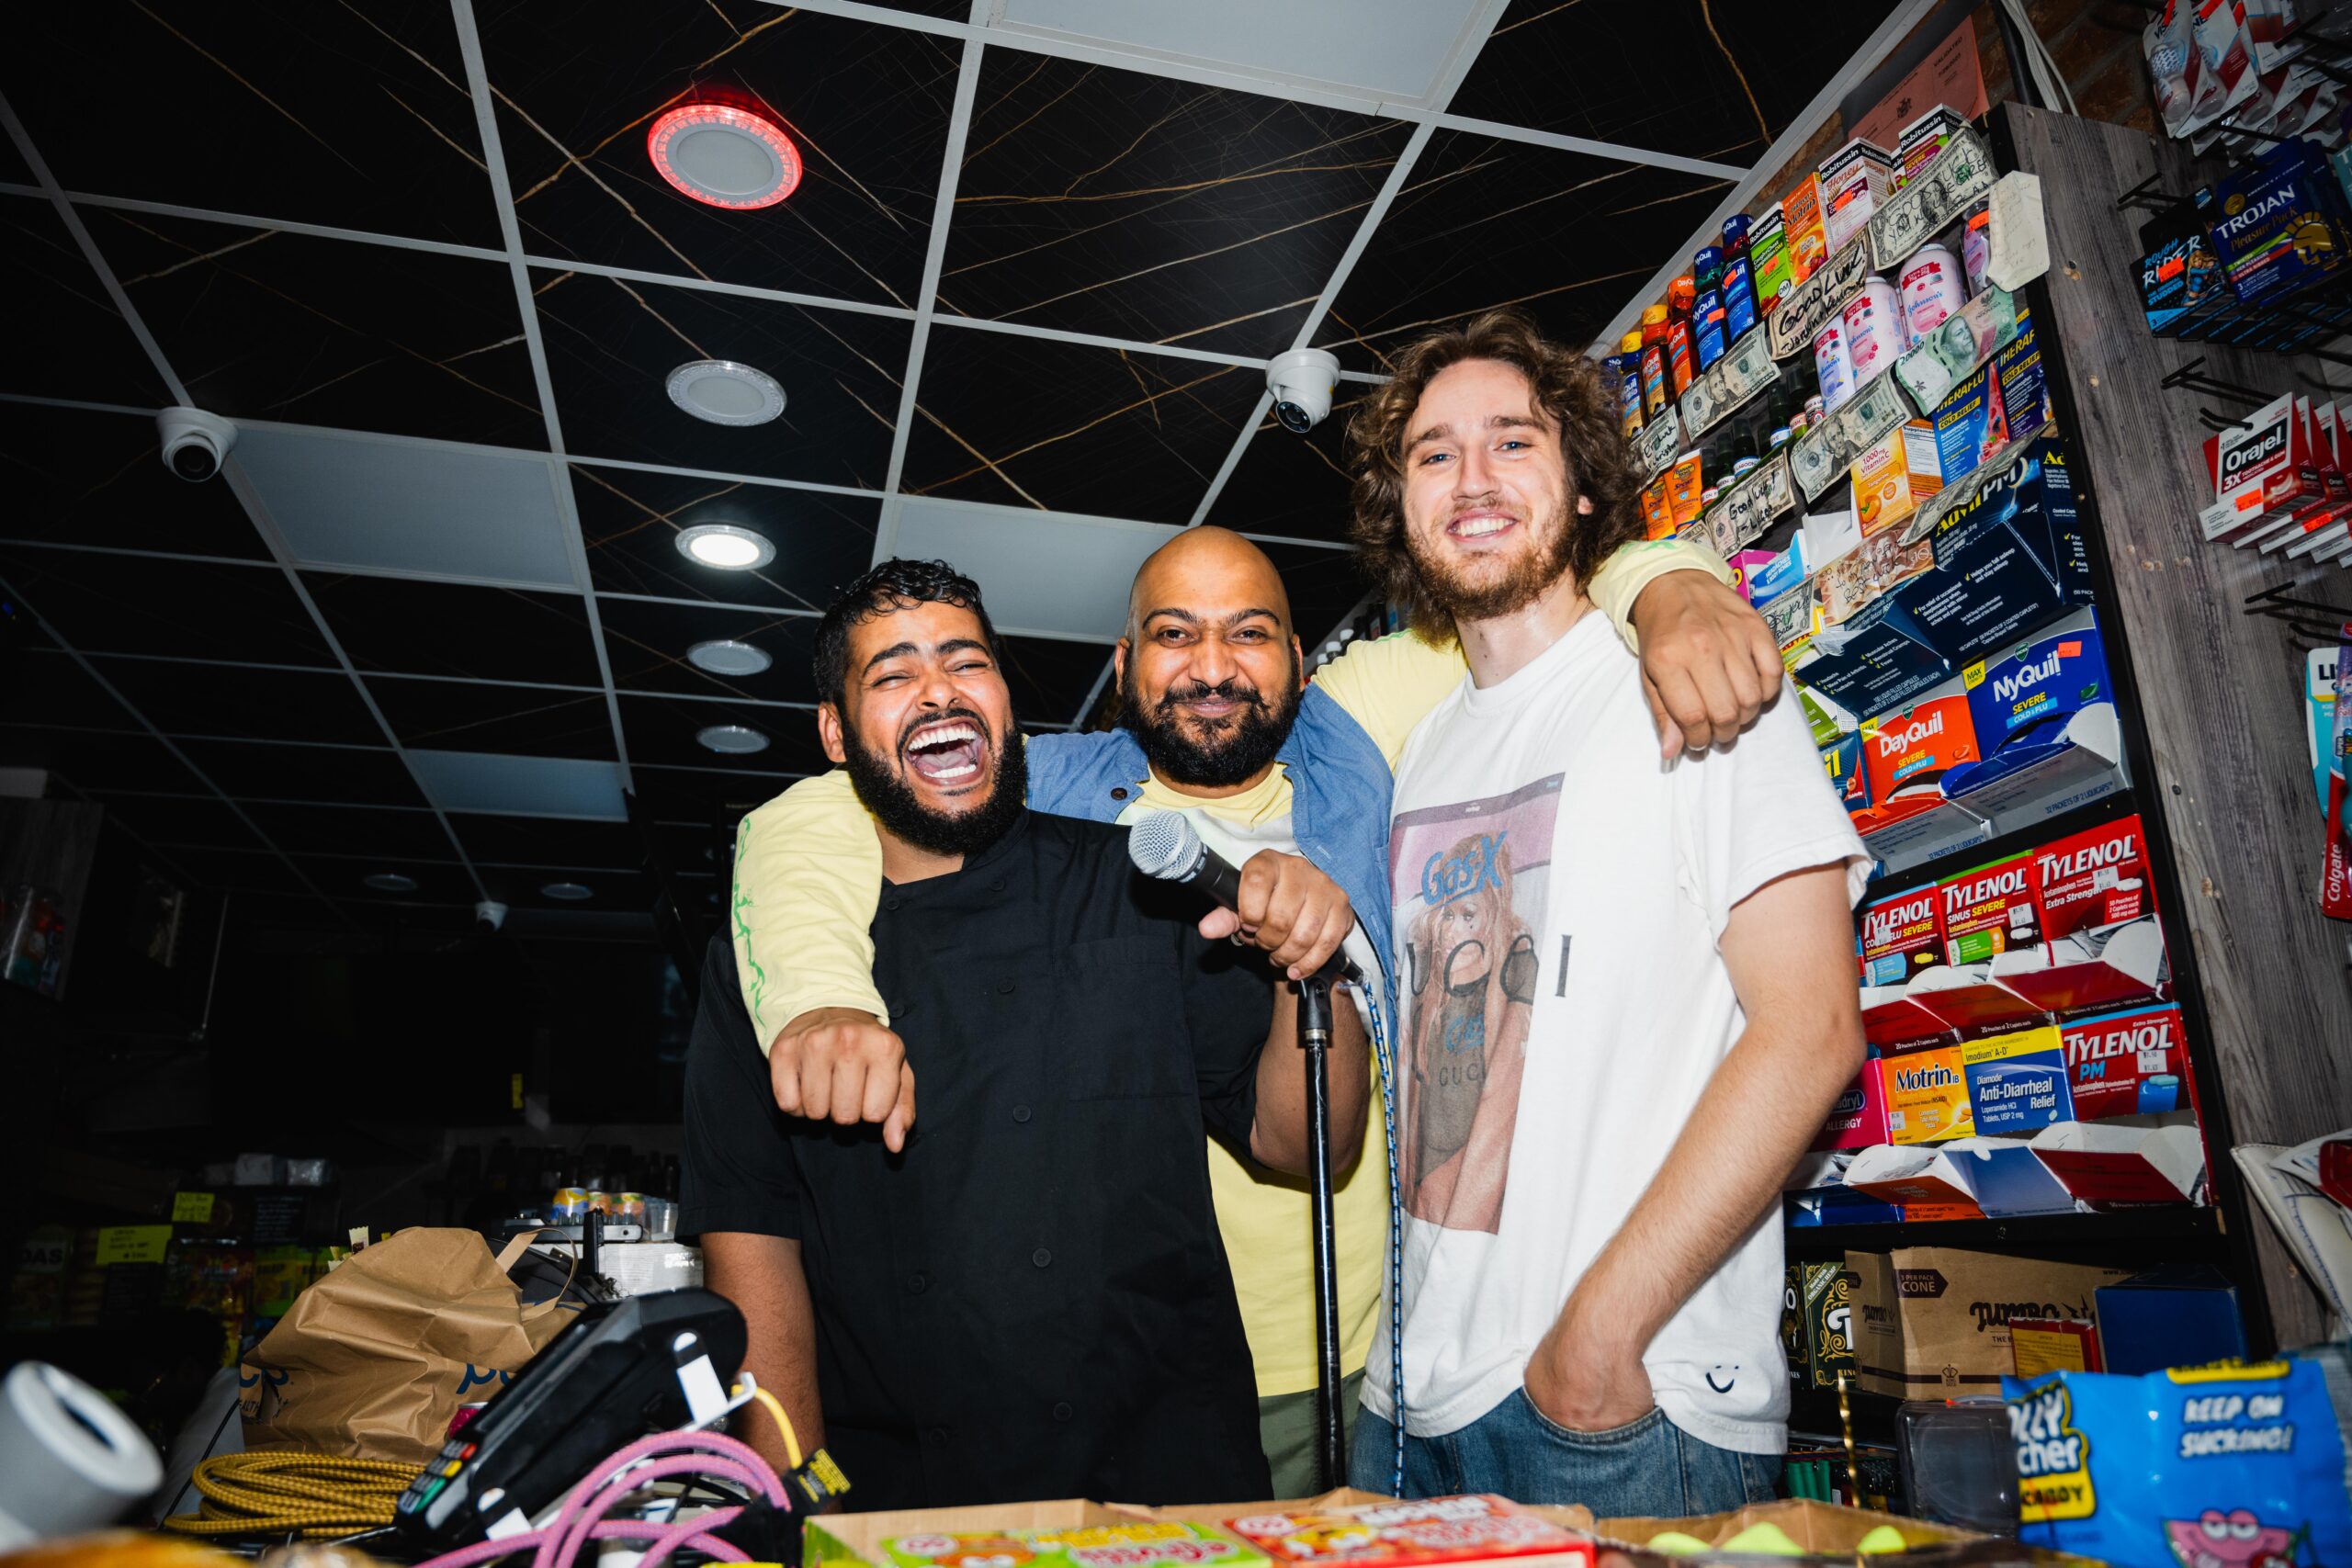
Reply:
x=1647, y=1468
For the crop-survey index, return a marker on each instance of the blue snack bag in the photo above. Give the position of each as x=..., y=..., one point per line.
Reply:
x=2232, y=1465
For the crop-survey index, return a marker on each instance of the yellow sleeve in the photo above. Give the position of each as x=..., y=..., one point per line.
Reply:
x=1636, y=566
x=807, y=875
x=1387, y=684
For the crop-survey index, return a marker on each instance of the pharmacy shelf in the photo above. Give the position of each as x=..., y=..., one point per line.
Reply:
x=2075, y=1236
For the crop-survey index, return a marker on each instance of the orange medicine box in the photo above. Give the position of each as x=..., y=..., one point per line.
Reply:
x=1927, y=1096
x=1807, y=241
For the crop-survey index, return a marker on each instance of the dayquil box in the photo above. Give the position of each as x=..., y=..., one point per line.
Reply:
x=1915, y=747
x=1990, y=909
x=2017, y=1082
x=2127, y=1063
x=2097, y=877
x=1927, y=1096
x=1902, y=935
x=1808, y=241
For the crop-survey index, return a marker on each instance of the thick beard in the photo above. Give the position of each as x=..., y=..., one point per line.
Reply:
x=901, y=813
x=1528, y=579
x=1248, y=743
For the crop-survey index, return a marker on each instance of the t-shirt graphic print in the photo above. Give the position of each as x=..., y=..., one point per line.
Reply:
x=1470, y=882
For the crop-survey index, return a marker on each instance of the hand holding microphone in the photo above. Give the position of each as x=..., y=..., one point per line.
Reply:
x=1283, y=903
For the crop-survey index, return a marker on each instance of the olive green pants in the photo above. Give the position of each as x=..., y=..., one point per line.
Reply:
x=1286, y=1431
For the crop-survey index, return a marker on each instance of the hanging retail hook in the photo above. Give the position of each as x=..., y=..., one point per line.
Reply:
x=2192, y=378
x=2141, y=196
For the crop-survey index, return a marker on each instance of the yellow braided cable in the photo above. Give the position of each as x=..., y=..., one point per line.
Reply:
x=283, y=1491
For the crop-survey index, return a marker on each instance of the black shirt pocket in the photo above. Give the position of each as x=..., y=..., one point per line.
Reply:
x=1118, y=1029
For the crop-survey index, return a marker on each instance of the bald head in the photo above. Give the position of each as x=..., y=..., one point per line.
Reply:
x=1207, y=570
x=1208, y=669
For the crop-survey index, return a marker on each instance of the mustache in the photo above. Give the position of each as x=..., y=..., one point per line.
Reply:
x=1233, y=691
x=923, y=721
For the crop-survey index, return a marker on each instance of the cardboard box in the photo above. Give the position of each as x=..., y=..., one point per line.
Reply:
x=1927, y=1096
x=2182, y=1315
x=2097, y=877
x=1965, y=1179
x=2017, y=1082
x=1990, y=908
x=2131, y=1063
x=2045, y=719
x=1858, y=1118
x=1906, y=754
x=1827, y=1529
x=1933, y=1322
x=1902, y=935
x=1807, y=241
x=2041, y=1345
x=2107, y=1164
x=1856, y=180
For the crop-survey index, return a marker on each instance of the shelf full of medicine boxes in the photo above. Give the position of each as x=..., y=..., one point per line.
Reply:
x=2039, y=1080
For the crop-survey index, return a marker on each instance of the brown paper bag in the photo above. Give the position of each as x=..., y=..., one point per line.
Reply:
x=1933, y=1322
x=373, y=1361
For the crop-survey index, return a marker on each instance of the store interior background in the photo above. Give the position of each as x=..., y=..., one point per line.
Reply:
x=432, y=626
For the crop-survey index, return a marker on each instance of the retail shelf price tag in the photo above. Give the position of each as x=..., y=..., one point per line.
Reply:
x=132, y=1244
x=192, y=1208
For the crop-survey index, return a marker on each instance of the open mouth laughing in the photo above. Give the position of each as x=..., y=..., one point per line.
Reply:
x=946, y=752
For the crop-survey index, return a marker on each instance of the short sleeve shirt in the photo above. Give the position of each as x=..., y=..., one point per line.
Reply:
x=1031, y=1301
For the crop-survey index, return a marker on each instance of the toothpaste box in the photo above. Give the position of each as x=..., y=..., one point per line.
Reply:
x=2017, y=1082
x=2132, y=1063
x=1777, y=574
x=1927, y=1096
x=1902, y=935
x=2095, y=877
x=1856, y=180
x=1807, y=241
x=1991, y=909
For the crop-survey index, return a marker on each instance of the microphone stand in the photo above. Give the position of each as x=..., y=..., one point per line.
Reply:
x=1315, y=1039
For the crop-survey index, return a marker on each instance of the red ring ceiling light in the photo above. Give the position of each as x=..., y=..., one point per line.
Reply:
x=723, y=156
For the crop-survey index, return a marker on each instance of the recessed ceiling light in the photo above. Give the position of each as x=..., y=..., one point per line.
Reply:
x=723, y=156
x=726, y=546
x=388, y=881
x=570, y=892
x=724, y=656
x=733, y=739
x=723, y=392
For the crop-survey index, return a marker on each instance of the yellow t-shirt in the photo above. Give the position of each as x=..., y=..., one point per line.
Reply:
x=809, y=876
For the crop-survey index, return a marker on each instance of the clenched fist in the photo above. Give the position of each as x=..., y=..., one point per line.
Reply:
x=839, y=1064
x=1288, y=908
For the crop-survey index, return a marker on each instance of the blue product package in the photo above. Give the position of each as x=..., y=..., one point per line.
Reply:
x=2276, y=225
x=2023, y=701
x=1739, y=300
x=2234, y=1465
x=1707, y=339
x=2016, y=371
x=1969, y=424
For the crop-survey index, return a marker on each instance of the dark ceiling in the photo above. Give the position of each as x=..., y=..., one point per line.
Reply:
x=433, y=620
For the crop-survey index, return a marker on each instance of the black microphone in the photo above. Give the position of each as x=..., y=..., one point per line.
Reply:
x=1164, y=845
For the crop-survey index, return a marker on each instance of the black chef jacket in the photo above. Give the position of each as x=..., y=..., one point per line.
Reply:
x=1033, y=1299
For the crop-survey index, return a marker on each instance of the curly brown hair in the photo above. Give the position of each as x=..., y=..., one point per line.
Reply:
x=1569, y=389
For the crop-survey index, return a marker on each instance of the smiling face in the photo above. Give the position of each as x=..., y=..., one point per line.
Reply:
x=925, y=728
x=1209, y=668
x=1486, y=493
x=2234, y=1540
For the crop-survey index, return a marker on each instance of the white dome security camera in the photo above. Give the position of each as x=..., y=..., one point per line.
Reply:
x=489, y=915
x=195, y=443
x=1302, y=382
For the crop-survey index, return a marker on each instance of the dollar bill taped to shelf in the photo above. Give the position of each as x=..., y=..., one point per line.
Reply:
x=1744, y=514
x=1827, y=451
x=1746, y=369
x=1660, y=440
x=1930, y=199
x=1949, y=353
x=1818, y=301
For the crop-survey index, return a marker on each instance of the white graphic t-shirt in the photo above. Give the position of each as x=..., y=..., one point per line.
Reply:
x=1558, y=894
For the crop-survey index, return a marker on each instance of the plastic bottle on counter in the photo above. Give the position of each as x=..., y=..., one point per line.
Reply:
x=1931, y=291
x=1832, y=366
x=1873, y=335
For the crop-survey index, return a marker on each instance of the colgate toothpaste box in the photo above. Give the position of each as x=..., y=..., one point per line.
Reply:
x=2018, y=1083
x=1902, y=935
x=1927, y=1096
x=1991, y=909
x=2097, y=877
x=2127, y=1063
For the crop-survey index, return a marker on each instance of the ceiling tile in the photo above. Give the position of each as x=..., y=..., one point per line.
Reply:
x=648, y=644
x=1466, y=234
x=259, y=771
x=1139, y=206
x=82, y=476
x=341, y=115
x=446, y=629
x=1293, y=485
x=179, y=698
x=265, y=325
x=999, y=549
x=110, y=604
x=1048, y=678
x=65, y=337
x=612, y=345
x=564, y=786
x=1740, y=74
x=168, y=820
x=662, y=730
x=608, y=891
x=93, y=760
x=1028, y=421
x=362, y=831
x=442, y=881
x=548, y=841
x=1324, y=585
x=679, y=794
x=47, y=685
x=1387, y=49
x=343, y=501
x=867, y=107
x=252, y=872
x=632, y=521
x=459, y=715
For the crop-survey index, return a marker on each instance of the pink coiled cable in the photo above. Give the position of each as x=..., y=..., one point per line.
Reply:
x=558, y=1544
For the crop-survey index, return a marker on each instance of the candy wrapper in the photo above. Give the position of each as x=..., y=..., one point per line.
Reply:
x=2234, y=1465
